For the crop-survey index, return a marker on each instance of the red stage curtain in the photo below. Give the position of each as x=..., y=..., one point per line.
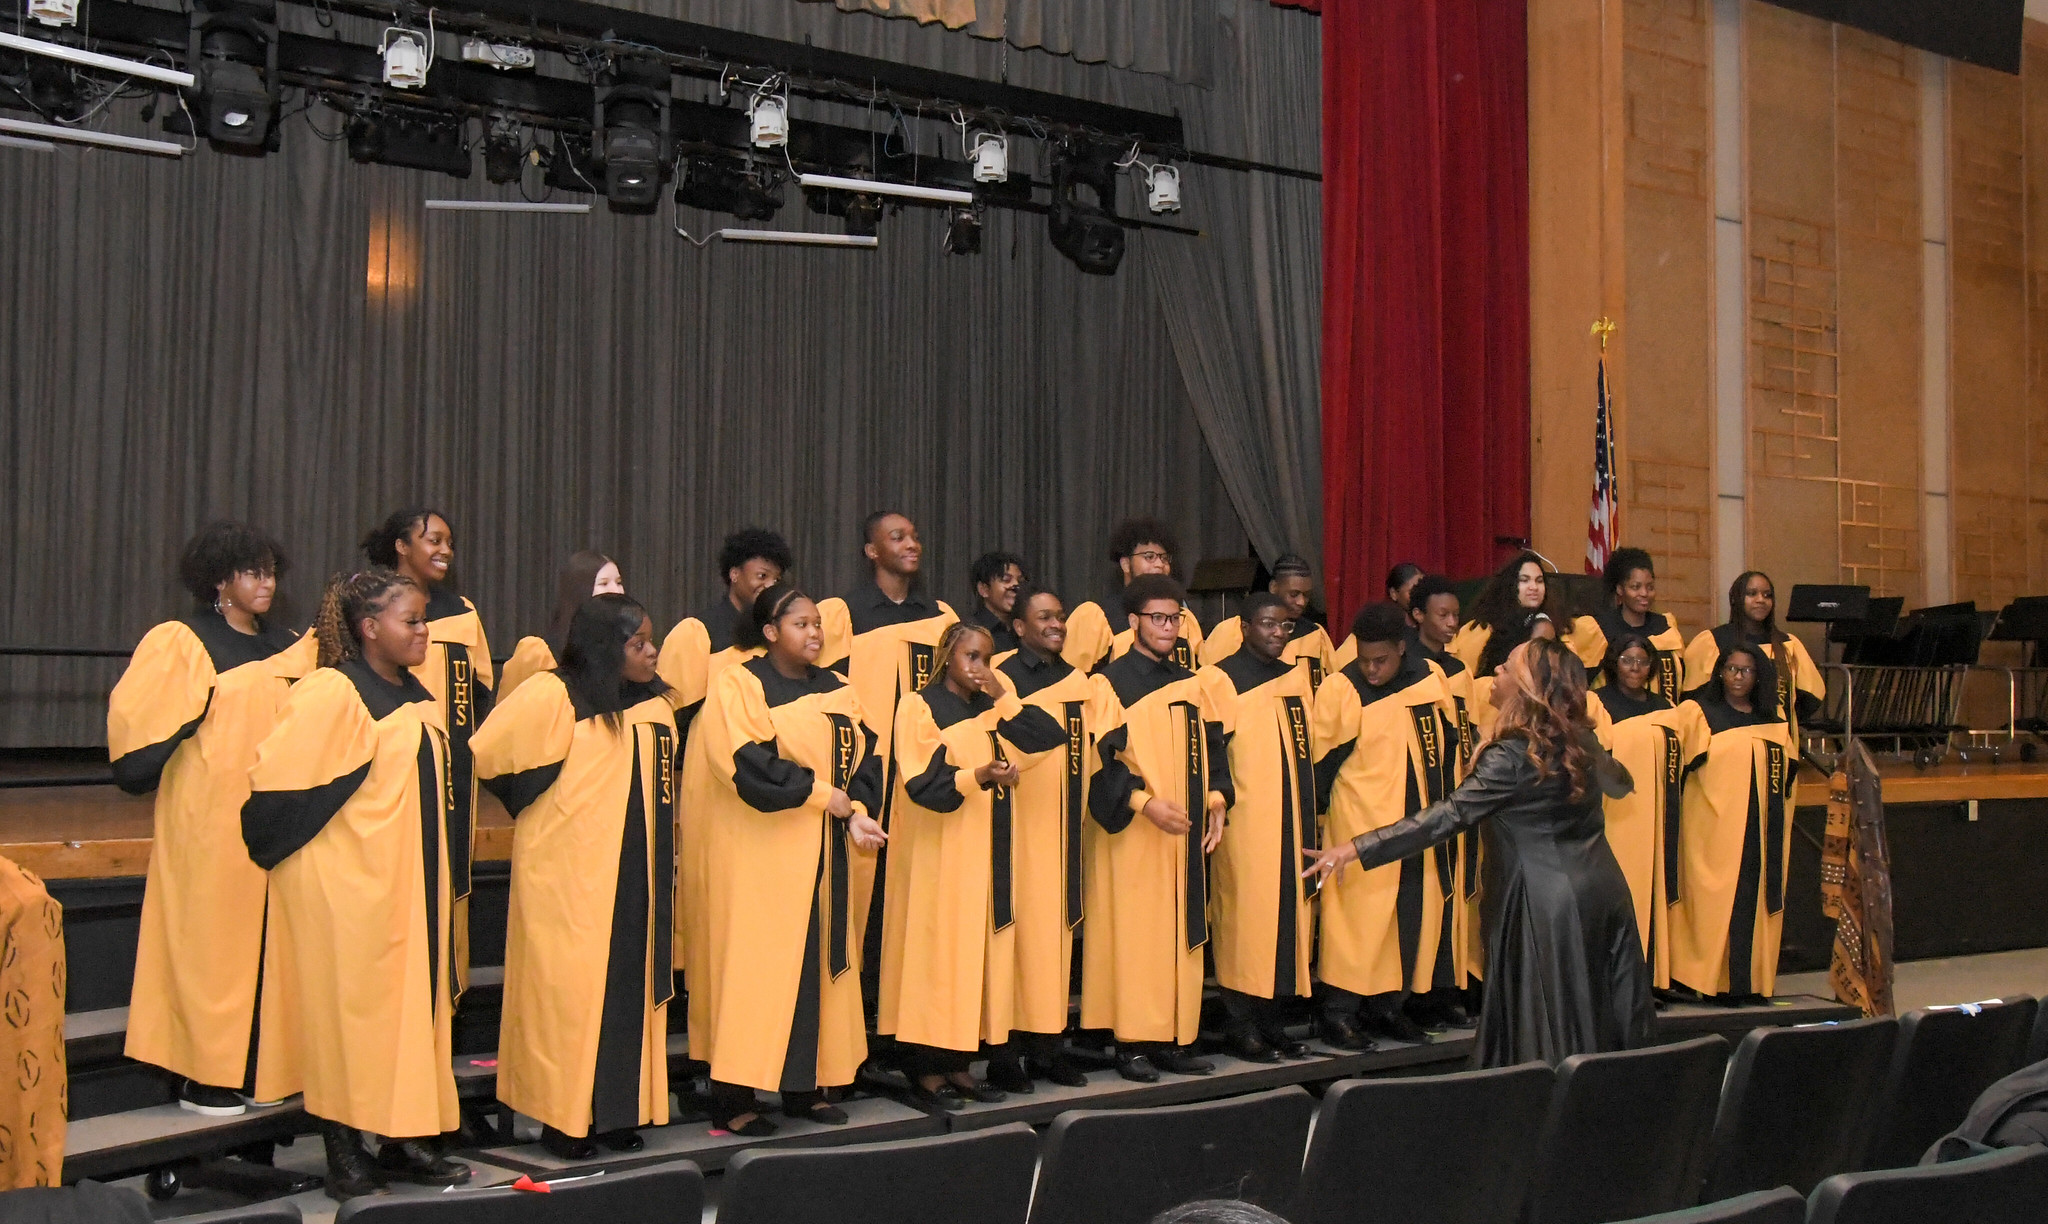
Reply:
x=1425, y=288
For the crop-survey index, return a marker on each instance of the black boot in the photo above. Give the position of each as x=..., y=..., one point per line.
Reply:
x=349, y=1172
x=417, y=1161
x=564, y=1146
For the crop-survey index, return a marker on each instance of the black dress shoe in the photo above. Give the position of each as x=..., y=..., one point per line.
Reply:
x=1136, y=1068
x=1009, y=1075
x=626, y=1140
x=756, y=1126
x=416, y=1161
x=1288, y=1047
x=819, y=1112
x=946, y=1096
x=1457, y=1016
x=349, y=1171
x=563, y=1146
x=1249, y=1046
x=1182, y=1060
x=986, y=1094
x=1398, y=1026
x=1341, y=1032
x=1059, y=1071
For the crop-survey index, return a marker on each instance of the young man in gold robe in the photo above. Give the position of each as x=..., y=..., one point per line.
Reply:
x=1258, y=901
x=1139, y=546
x=1308, y=644
x=1158, y=803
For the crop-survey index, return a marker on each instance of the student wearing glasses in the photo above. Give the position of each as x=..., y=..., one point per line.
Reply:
x=1139, y=547
x=1308, y=644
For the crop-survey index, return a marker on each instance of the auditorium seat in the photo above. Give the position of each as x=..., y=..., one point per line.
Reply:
x=1626, y=1133
x=2004, y=1187
x=670, y=1193
x=1944, y=1058
x=1797, y=1106
x=283, y=1211
x=1124, y=1166
x=1449, y=1149
x=1781, y=1206
x=976, y=1177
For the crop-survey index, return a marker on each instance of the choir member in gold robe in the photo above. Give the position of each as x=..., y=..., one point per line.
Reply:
x=998, y=576
x=1631, y=580
x=585, y=761
x=1138, y=546
x=1657, y=742
x=949, y=931
x=199, y=695
x=1050, y=803
x=1753, y=621
x=693, y=654
x=1158, y=802
x=883, y=638
x=348, y=811
x=587, y=573
x=1735, y=836
x=1386, y=736
x=32, y=1113
x=1262, y=932
x=1308, y=644
x=1433, y=615
x=800, y=780
x=420, y=545
x=1401, y=582
x=1517, y=595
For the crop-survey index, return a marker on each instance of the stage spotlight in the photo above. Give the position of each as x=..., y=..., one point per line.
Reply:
x=233, y=100
x=717, y=185
x=570, y=166
x=768, y=121
x=418, y=142
x=504, y=56
x=1162, y=184
x=54, y=12
x=991, y=157
x=963, y=232
x=406, y=58
x=1085, y=230
x=504, y=150
x=862, y=213
x=630, y=129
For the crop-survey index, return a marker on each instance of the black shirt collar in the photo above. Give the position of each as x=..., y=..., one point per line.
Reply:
x=228, y=647
x=378, y=694
x=1248, y=671
x=719, y=621
x=869, y=608
x=1621, y=708
x=443, y=603
x=1413, y=670
x=1135, y=675
x=946, y=706
x=1031, y=671
x=998, y=627
x=778, y=689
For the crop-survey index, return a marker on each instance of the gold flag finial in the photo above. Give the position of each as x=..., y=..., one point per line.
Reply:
x=1603, y=327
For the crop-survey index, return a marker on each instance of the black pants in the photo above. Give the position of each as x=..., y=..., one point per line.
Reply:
x=1338, y=1003
x=919, y=1061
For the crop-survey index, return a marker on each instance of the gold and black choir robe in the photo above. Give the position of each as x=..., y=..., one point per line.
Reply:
x=1147, y=890
x=1801, y=687
x=349, y=812
x=1261, y=930
x=1093, y=640
x=693, y=655
x=33, y=1109
x=1582, y=637
x=1049, y=835
x=1386, y=752
x=782, y=961
x=530, y=657
x=583, y=1043
x=459, y=673
x=1668, y=676
x=1307, y=648
x=885, y=650
x=1468, y=939
x=1657, y=743
x=185, y=721
x=950, y=913
x=1735, y=838
x=998, y=627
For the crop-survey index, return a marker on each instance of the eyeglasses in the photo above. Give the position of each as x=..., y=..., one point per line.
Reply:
x=1736, y=669
x=1286, y=626
x=1152, y=555
x=1162, y=620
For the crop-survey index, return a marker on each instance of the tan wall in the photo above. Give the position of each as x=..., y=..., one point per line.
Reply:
x=1828, y=155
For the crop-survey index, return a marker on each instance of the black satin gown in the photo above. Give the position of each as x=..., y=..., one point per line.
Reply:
x=1564, y=964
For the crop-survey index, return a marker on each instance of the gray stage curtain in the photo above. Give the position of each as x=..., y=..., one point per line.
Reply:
x=1244, y=302
x=1169, y=37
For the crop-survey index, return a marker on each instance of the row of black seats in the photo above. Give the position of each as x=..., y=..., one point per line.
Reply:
x=1770, y=1135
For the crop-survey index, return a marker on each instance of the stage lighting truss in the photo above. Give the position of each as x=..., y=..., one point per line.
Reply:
x=54, y=12
x=408, y=54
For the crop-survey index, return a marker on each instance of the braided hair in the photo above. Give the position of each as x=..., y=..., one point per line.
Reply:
x=349, y=599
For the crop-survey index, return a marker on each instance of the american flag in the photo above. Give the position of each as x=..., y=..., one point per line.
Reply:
x=1603, y=523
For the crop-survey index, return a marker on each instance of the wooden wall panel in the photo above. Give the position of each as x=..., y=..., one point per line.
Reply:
x=2034, y=86
x=1988, y=329
x=1668, y=217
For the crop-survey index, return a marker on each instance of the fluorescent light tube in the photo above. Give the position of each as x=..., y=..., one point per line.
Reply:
x=943, y=195
x=797, y=237
x=110, y=140
x=23, y=142
x=93, y=59
x=505, y=206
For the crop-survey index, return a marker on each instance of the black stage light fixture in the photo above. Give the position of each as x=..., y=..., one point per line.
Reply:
x=1082, y=229
x=570, y=166
x=863, y=213
x=233, y=54
x=716, y=184
x=963, y=232
x=415, y=141
x=630, y=128
x=504, y=151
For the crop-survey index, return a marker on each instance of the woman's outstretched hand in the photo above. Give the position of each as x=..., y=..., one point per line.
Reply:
x=1323, y=864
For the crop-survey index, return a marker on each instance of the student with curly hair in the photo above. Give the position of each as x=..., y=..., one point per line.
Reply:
x=1138, y=546
x=199, y=695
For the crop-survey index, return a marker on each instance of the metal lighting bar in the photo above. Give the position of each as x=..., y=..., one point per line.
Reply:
x=93, y=59
x=797, y=237
x=942, y=195
x=22, y=142
x=50, y=131
x=504, y=206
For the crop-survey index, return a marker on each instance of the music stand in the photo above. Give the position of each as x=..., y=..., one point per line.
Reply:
x=1830, y=605
x=2024, y=620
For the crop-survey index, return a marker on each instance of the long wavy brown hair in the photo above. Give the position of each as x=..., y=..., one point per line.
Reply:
x=1541, y=696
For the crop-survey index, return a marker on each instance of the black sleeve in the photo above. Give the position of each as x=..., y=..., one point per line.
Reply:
x=1109, y=794
x=1497, y=777
x=517, y=791
x=1326, y=772
x=768, y=782
x=139, y=772
x=933, y=789
x=275, y=824
x=684, y=717
x=1219, y=762
x=1034, y=730
x=1806, y=704
x=865, y=787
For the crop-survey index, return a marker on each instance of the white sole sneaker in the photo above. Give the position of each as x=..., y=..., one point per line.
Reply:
x=212, y=1111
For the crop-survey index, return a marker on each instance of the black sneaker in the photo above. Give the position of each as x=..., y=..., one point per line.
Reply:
x=206, y=1099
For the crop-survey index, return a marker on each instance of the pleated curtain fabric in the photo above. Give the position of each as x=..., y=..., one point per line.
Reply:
x=1169, y=37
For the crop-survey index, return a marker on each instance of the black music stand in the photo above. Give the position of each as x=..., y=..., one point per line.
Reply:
x=2024, y=620
x=1843, y=609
